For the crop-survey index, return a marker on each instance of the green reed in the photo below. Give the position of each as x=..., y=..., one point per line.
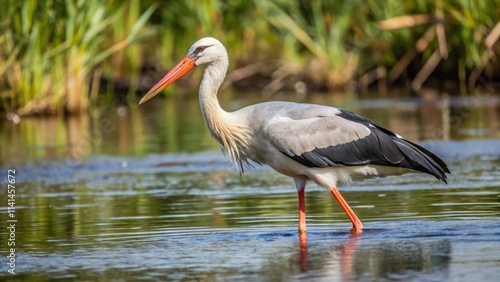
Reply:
x=52, y=48
x=52, y=53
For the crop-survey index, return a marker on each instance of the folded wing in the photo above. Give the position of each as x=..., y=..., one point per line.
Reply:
x=324, y=137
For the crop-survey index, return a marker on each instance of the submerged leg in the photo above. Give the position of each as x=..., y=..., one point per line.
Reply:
x=357, y=226
x=301, y=187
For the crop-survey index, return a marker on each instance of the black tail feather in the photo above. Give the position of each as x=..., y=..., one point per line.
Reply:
x=421, y=159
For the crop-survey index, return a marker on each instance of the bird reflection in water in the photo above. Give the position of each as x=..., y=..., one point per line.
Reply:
x=347, y=252
x=378, y=257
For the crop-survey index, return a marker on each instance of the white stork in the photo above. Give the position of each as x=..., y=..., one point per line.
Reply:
x=304, y=141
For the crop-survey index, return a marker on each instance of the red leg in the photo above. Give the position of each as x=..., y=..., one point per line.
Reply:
x=302, y=212
x=301, y=187
x=357, y=226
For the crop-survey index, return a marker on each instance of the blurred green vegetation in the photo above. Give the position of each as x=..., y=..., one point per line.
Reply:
x=54, y=54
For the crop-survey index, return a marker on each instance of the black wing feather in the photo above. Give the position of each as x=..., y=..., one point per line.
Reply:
x=381, y=147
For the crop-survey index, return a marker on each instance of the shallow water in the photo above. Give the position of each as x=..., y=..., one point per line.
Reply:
x=117, y=209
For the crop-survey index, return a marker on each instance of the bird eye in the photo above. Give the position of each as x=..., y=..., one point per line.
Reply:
x=200, y=49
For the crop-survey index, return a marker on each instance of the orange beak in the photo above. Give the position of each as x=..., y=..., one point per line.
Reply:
x=183, y=67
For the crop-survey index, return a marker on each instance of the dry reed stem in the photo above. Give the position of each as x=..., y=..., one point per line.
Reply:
x=426, y=70
x=405, y=21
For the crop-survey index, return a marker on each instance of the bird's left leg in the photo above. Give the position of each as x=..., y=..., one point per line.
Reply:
x=301, y=187
x=357, y=226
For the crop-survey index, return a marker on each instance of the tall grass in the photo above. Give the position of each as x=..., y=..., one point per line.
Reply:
x=342, y=41
x=52, y=51
x=452, y=38
x=319, y=32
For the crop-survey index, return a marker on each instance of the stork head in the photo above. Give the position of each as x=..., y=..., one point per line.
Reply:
x=204, y=51
x=207, y=50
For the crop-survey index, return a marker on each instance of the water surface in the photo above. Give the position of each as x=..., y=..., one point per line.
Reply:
x=145, y=195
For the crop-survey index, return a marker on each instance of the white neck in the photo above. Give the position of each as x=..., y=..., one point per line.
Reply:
x=233, y=138
x=213, y=76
